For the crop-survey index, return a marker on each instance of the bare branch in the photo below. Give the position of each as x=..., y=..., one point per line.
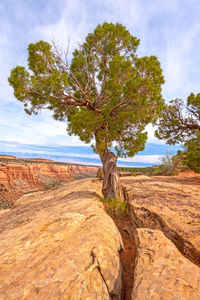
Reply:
x=117, y=106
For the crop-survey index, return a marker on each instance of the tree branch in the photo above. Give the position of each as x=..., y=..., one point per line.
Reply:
x=117, y=106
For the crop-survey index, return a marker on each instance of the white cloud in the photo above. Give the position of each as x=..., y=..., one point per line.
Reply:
x=169, y=29
x=178, y=60
x=154, y=159
x=70, y=26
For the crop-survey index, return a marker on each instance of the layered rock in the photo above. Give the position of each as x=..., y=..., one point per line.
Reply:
x=8, y=157
x=60, y=244
x=161, y=271
x=170, y=204
x=17, y=178
x=32, y=173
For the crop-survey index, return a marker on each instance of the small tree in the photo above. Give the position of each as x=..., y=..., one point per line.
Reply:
x=192, y=153
x=181, y=124
x=107, y=94
x=170, y=165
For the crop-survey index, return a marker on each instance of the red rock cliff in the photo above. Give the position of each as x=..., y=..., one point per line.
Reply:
x=17, y=178
x=32, y=173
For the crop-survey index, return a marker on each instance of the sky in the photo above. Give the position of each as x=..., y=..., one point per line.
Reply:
x=169, y=29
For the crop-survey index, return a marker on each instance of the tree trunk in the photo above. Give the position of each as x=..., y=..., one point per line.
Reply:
x=110, y=179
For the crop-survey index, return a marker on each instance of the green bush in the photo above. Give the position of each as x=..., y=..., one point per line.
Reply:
x=137, y=170
x=114, y=207
x=99, y=173
x=192, y=153
x=4, y=204
x=134, y=174
x=171, y=165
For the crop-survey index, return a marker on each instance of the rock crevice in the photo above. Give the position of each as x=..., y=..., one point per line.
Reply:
x=161, y=272
x=153, y=202
x=144, y=218
x=66, y=249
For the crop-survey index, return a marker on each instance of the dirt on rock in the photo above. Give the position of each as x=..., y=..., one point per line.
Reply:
x=128, y=254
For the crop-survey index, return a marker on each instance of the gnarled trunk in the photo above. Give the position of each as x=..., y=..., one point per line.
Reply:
x=110, y=186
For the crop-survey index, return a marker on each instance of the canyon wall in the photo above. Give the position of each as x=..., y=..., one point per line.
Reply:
x=33, y=173
x=17, y=178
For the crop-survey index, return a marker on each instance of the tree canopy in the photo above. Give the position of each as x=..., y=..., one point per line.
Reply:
x=106, y=93
x=192, y=152
x=178, y=122
x=181, y=124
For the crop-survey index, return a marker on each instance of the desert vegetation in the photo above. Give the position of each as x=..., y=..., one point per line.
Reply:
x=180, y=123
x=108, y=95
x=105, y=82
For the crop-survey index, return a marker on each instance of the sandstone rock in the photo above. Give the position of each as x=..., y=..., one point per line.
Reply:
x=60, y=244
x=170, y=204
x=18, y=178
x=8, y=157
x=161, y=272
x=32, y=173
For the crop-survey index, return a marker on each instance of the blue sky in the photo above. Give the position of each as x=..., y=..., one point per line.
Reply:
x=169, y=29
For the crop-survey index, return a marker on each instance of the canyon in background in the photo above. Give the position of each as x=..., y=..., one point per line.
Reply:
x=19, y=176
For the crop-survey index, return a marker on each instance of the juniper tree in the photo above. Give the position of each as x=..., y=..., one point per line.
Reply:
x=106, y=93
x=180, y=123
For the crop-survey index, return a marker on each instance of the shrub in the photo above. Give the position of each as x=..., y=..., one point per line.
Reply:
x=170, y=166
x=114, y=207
x=192, y=153
x=100, y=173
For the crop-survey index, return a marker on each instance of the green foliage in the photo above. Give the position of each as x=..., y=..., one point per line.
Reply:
x=134, y=174
x=82, y=175
x=178, y=122
x=114, y=207
x=181, y=124
x=52, y=185
x=106, y=92
x=5, y=203
x=135, y=170
x=171, y=165
x=100, y=173
x=192, y=153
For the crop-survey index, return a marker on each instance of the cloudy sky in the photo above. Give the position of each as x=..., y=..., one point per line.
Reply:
x=169, y=29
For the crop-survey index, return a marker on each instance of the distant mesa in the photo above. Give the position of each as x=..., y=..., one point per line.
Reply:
x=8, y=156
x=40, y=159
x=19, y=176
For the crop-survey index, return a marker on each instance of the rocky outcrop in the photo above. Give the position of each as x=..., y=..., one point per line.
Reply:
x=170, y=204
x=18, y=178
x=60, y=244
x=6, y=157
x=34, y=173
x=161, y=272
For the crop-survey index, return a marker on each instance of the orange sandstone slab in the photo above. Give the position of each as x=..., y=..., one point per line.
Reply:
x=170, y=204
x=60, y=244
x=161, y=271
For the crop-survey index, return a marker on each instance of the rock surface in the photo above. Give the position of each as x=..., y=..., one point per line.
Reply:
x=18, y=178
x=60, y=244
x=170, y=204
x=161, y=272
x=37, y=174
